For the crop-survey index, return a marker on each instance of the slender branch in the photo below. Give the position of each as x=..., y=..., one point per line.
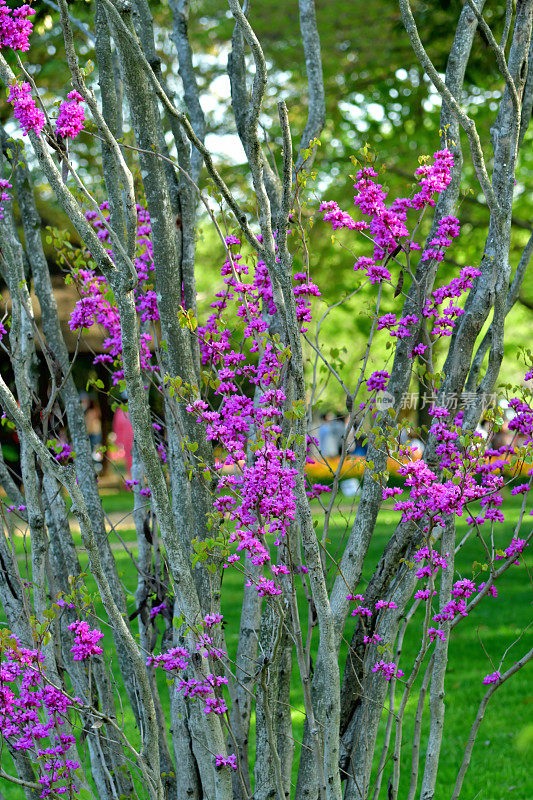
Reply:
x=507, y=25
x=500, y=55
x=316, y=116
x=180, y=37
x=286, y=198
x=417, y=732
x=81, y=26
x=465, y=121
x=513, y=296
x=260, y=77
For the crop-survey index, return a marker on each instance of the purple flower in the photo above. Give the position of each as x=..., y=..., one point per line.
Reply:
x=229, y=761
x=156, y=610
x=212, y=619
x=378, y=380
x=385, y=604
x=4, y=198
x=85, y=640
x=175, y=659
x=388, y=670
x=30, y=117
x=435, y=633
x=516, y=548
x=15, y=27
x=71, y=116
x=491, y=590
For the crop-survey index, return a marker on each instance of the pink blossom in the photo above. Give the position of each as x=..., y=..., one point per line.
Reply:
x=213, y=619
x=30, y=117
x=229, y=761
x=156, y=610
x=435, y=633
x=390, y=604
x=15, y=27
x=516, y=548
x=491, y=590
x=494, y=677
x=85, y=640
x=388, y=670
x=71, y=116
x=4, y=198
x=177, y=658
x=378, y=380
x=372, y=639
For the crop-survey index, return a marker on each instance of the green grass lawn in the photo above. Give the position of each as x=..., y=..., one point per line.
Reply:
x=504, y=749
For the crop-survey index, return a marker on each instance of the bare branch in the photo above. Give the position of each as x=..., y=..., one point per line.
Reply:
x=466, y=122
x=499, y=53
x=180, y=37
x=513, y=296
x=260, y=77
x=316, y=116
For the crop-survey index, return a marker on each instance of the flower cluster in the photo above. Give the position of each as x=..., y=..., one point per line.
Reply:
x=206, y=691
x=71, y=116
x=494, y=677
x=378, y=380
x=398, y=328
x=11, y=509
x=522, y=422
x=339, y=218
x=514, y=549
x=62, y=451
x=175, y=661
x=303, y=292
x=30, y=117
x=15, y=27
x=256, y=496
x=436, y=633
x=229, y=761
x=96, y=307
x=32, y=714
x=448, y=229
x=388, y=670
x=389, y=232
x=85, y=641
x=435, y=562
x=472, y=478
x=387, y=226
x=433, y=178
x=443, y=320
x=375, y=638
x=212, y=619
x=156, y=610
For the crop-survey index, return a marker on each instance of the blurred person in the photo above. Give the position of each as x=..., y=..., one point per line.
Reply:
x=123, y=435
x=328, y=439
